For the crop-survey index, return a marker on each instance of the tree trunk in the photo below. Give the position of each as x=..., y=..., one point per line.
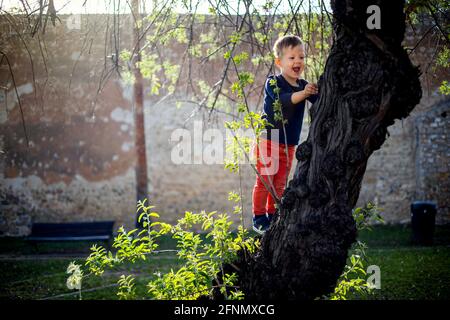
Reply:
x=368, y=82
x=141, y=163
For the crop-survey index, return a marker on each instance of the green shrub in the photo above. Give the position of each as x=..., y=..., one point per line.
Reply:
x=203, y=257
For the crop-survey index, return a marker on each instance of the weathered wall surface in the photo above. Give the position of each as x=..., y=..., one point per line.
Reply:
x=175, y=188
x=80, y=167
x=79, y=164
x=407, y=168
x=413, y=162
x=432, y=157
x=76, y=167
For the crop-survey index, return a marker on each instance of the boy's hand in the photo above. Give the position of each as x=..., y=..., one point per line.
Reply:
x=310, y=89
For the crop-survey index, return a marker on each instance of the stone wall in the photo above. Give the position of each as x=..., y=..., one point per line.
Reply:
x=396, y=174
x=79, y=164
x=414, y=159
x=432, y=158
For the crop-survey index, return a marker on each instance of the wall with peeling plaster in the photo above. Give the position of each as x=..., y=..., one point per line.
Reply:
x=79, y=164
x=406, y=168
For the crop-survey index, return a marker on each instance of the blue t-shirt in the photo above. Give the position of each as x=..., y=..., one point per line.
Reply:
x=293, y=113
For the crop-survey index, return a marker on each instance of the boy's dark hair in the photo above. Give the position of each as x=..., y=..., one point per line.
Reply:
x=286, y=41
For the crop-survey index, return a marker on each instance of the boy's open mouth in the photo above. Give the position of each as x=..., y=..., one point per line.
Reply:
x=296, y=69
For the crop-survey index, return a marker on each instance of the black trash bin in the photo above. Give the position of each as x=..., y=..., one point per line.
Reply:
x=423, y=216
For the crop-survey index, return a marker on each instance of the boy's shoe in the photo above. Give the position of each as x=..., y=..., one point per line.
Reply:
x=260, y=223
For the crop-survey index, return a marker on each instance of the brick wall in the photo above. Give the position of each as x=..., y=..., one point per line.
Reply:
x=80, y=167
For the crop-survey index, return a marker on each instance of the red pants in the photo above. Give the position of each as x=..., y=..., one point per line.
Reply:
x=273, y=166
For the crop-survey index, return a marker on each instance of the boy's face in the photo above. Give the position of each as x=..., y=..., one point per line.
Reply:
x=292, y=61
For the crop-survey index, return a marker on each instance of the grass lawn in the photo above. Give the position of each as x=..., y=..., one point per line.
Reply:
x=407, y=271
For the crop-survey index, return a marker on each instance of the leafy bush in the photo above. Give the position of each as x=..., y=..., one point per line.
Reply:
x=204, y=259
x=353, y=279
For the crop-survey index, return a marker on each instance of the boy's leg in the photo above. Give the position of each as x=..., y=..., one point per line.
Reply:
x=279, y=180
x=260, y=195
x=260, y=192
x=264, y=180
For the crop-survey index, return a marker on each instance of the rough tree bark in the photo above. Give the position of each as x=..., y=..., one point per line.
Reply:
x=141, y=149
x=368, y=82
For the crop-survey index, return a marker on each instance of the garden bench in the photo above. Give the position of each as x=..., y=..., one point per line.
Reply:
x=75, y=231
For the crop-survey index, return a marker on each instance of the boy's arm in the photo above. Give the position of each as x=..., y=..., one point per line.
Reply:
x=288, y=99
x=287, y=106
x=298, y=96
x=309, y=92
x=269, y=97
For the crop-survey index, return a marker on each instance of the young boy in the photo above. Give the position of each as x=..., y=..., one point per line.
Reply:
x=272, y=161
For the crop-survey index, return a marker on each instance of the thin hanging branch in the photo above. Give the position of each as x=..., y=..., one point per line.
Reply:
x=17, y=95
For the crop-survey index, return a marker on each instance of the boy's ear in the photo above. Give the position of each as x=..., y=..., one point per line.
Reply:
x=277, y=62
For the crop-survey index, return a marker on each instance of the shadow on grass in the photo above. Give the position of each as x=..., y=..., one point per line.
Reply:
x=407, y=271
